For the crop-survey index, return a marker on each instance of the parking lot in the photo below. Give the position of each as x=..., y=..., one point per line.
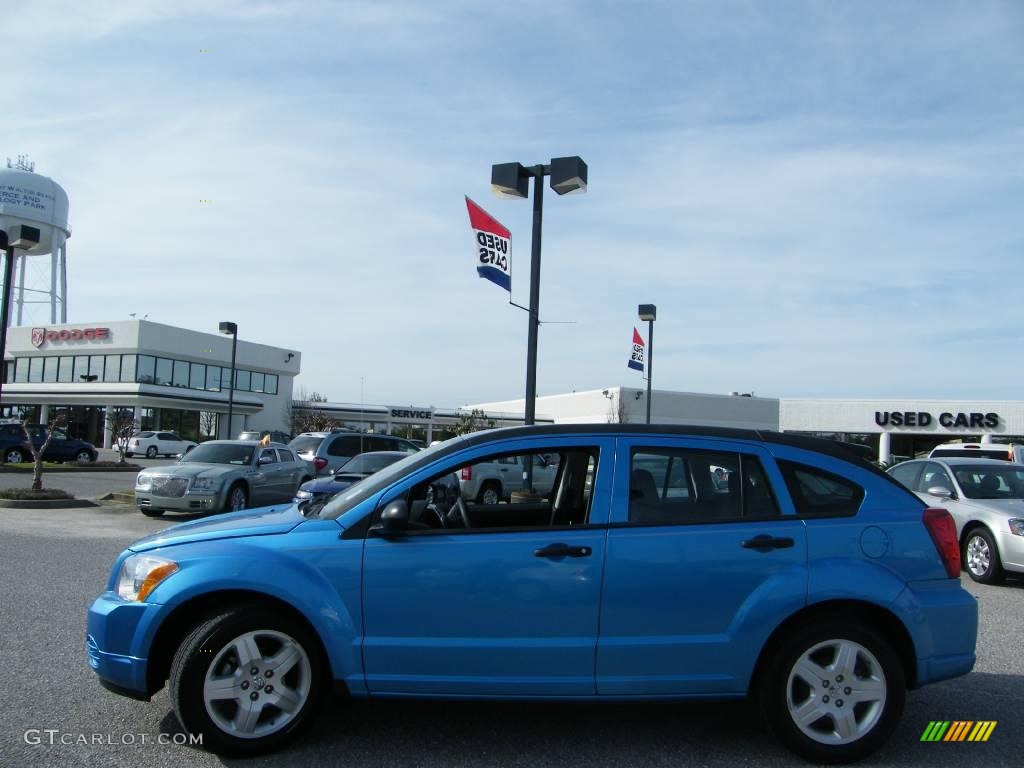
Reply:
x=56, y=561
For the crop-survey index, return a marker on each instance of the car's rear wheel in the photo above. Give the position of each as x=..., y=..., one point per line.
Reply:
x=247, y=679
x=237, y=498
x=151, y=452
x=14, y=456
x=83, y=457
x=833, y=692
x=981, y=557
x=489, y=494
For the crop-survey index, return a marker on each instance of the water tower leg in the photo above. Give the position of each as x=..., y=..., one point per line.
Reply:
x=21, y=287
x=63, y=281
x=53, y=285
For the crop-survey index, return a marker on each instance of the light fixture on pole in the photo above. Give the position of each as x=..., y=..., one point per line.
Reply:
x=649, y=312
x=231, y=329
x=19, y=236
x=568, y=174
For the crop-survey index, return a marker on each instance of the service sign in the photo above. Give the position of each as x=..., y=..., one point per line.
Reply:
x=638, y=358
x=492, y=242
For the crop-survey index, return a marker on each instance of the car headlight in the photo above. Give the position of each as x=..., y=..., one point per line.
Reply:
x=140, y=574
x=1017, y=527
x=143, y=482
x=204, y=484
x=303, y=495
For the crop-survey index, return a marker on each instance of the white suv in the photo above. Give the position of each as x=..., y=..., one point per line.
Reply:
x=957, y=450
x=154, y=444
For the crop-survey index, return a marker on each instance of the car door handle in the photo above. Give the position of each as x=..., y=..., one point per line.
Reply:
x=562, y=550
x=765, y=543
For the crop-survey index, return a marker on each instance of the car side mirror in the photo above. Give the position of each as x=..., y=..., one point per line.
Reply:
x=941, y=492
x=394, y=520
x=179, y=456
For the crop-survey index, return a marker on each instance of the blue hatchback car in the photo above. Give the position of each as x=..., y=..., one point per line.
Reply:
x=810, y=581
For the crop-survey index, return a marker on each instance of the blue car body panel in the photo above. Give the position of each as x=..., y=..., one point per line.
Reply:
x=651, y=611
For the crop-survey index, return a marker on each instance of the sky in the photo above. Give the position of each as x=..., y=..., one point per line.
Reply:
x=823, y=199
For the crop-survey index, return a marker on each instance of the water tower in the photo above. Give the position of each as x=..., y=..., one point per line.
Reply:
x=28, y=198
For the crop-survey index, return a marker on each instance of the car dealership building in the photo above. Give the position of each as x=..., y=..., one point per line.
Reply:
x=173, y=379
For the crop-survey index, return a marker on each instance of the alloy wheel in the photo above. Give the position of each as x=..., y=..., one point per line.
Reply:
x=979, y=556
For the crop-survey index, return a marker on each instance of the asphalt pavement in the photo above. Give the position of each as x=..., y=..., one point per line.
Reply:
x=55, y=561
x=90, y=484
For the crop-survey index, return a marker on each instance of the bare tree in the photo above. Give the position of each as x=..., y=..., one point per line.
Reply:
x=56, y=422
x=122, y=425
x=208, y=423
x=472, y=422
x=303, y=415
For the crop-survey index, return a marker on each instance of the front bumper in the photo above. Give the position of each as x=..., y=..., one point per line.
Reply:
x=1011, y=550
x=190, y=502
x=116, y=633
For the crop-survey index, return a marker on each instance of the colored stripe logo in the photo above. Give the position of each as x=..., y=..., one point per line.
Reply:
x=959, y=730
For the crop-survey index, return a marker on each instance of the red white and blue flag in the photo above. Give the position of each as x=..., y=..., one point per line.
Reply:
x=638, y=358
x=492, y=241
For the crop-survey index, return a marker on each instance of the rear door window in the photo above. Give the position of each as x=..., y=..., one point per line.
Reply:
x=819, y=493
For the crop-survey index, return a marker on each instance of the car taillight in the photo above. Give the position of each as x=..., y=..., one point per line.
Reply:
x=466, y=474
x=319, y=463
x=942, y=529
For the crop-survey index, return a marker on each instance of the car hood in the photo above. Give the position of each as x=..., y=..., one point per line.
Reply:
x=249, y=522
x=193, y=469
x=332, y=483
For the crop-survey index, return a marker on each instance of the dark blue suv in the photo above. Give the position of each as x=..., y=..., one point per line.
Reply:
x=14, y=448
x=807, y=579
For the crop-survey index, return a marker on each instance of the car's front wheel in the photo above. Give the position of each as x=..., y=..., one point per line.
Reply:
x=981, y=557
x=151, y=452
x=150, y=512
x=489, y=494
x=14, y=456
x=247, y=680
x=84, y=457
x=833, y=692
x=237, y=498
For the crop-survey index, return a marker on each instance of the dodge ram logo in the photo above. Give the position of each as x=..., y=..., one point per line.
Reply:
x=38, y=336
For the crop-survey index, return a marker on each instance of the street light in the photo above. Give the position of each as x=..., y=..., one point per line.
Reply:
x=649, y=312
x=568, y=174
x=19, y=236
x=231, y=329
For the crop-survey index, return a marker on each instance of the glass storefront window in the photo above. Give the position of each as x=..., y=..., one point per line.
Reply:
x=257, y=382
x=213, y=378
x=147, y=370
x=180, y=373
x=35, y=370
x=243, y=380
x=96, y=366
x=164, y=368
x=21, y=370
x=270, y=385
x=197, y=378
x=50, y=369
x=113, y=370
x=225, y=378
x=127, y=367
x=66, y=370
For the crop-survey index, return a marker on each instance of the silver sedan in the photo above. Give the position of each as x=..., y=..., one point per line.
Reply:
x=986, y=499
x=222, y=475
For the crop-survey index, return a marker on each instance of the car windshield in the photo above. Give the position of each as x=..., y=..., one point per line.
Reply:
x=368, y=463
x=305, y=443
x=342, y=502
x=990, y=481
x=219, y=453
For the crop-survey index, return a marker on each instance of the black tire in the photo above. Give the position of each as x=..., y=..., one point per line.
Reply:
x=129, y=455
x=981, y=557
x=14, y=456
x=84, y=457
x=229, y=505
x=489, y=493
x=150, y=512
x=210, y=650
x=874, y=661
x=151, y=452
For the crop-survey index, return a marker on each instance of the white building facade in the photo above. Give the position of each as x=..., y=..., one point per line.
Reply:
x=173, y=379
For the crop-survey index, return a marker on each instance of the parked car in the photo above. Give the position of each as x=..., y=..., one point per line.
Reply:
x=330, y=450
x=222, y=475
x=14, y=448
x=999, y=451
x=986, y=499
x=275, y=435
x=153, y=444
x=352, y=471
x=816, y=584
x=491, y=481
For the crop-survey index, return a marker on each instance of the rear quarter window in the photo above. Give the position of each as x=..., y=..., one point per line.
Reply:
x=819, y=493
x=305, y=444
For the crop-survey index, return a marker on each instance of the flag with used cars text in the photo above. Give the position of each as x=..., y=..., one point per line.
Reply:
x=492, y=242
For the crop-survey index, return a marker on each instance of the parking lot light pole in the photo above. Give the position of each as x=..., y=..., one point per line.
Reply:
x=232, y=329
x=568, y=174
x=649, y=312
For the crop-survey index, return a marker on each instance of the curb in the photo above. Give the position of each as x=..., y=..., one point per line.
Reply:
x=46, y=504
